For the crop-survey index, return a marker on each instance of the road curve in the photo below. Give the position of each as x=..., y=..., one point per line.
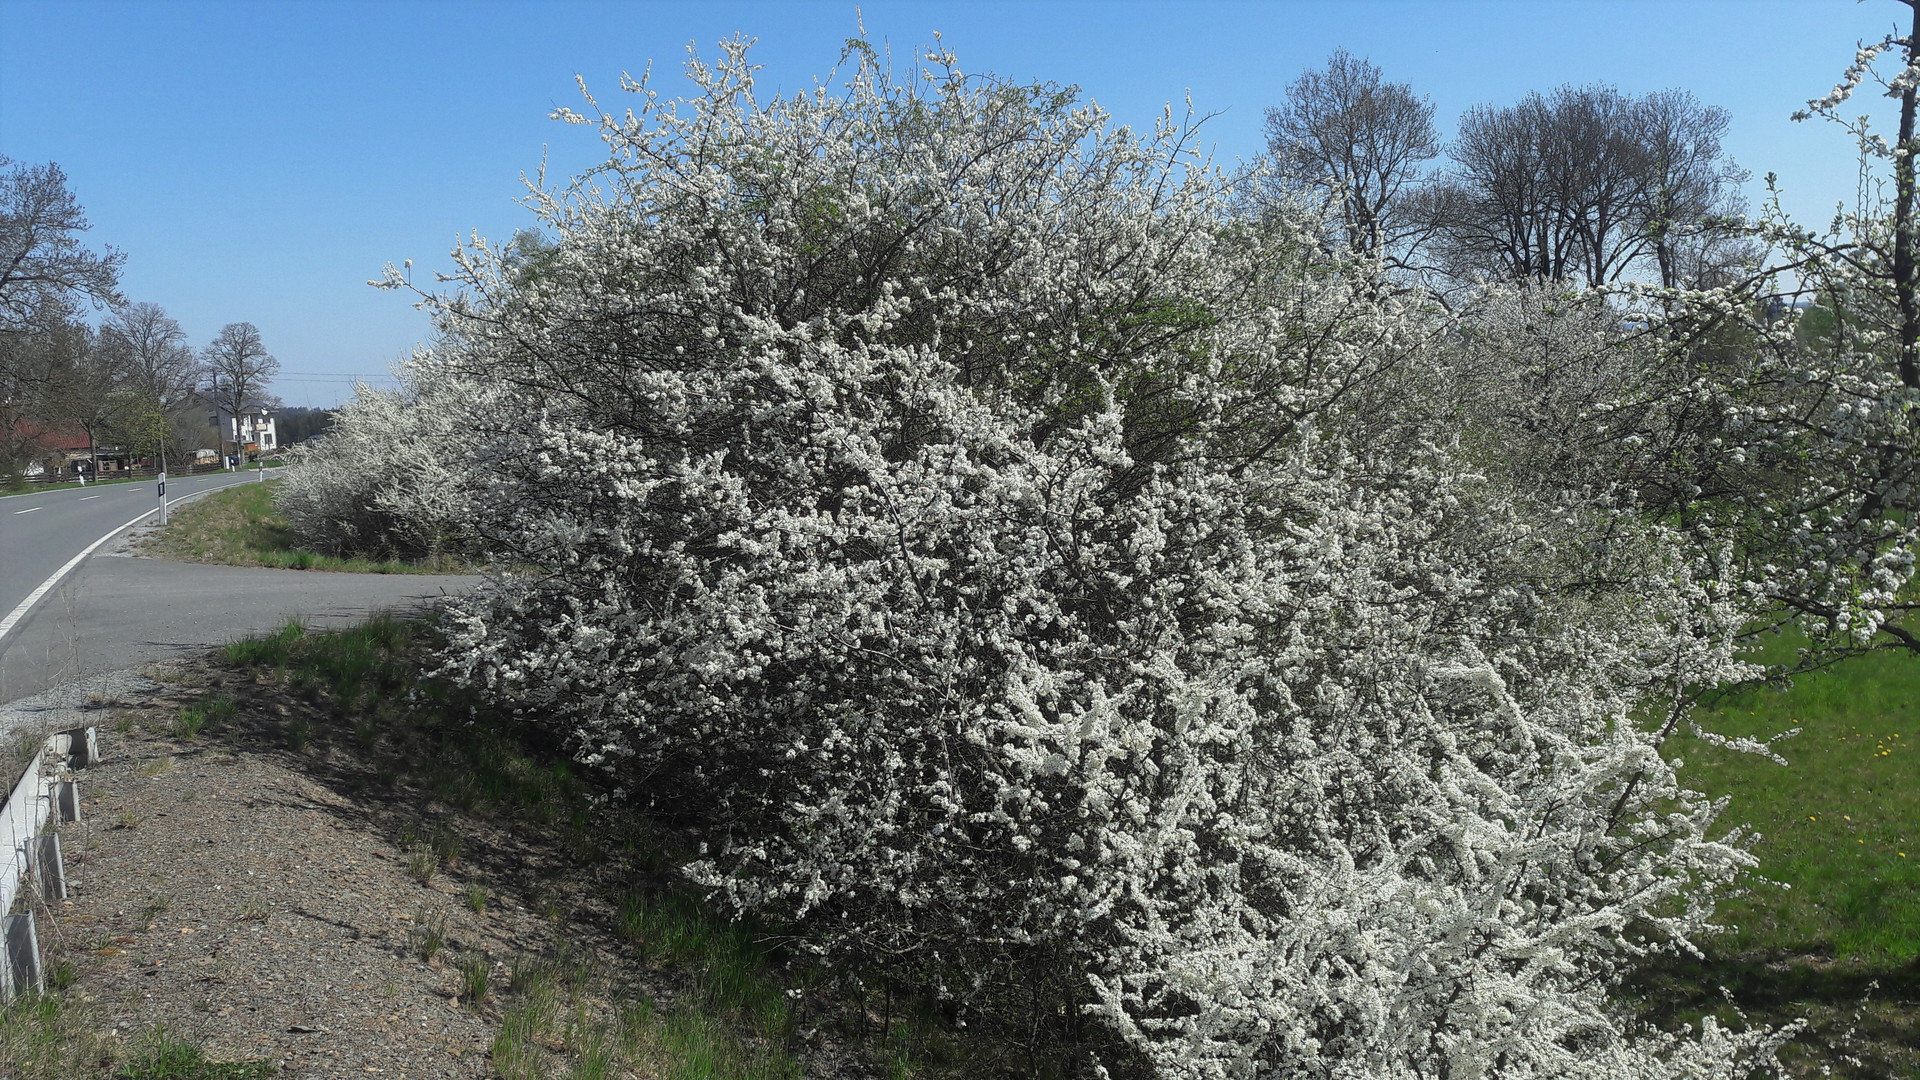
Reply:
x=114, y=612
x=117, y=612
x=40, y=532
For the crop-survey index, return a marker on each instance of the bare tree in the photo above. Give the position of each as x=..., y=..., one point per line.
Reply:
x=1360, y=140
x=1499, y=212
x=152, y=352
x=1586, y=184
x=1690, y=200
x=34, y=370
x=45, y=278
x=237, y=367
x=157, y=373
x=43, y=267
x=82, y=386
x=1903, y=224
x=1875, y=243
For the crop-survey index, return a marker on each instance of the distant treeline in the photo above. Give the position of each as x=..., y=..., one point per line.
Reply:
x=295, y=425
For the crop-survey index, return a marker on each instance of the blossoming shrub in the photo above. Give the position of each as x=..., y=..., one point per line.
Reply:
x=387, y=482
x=1037, y=581
x=1781, y=448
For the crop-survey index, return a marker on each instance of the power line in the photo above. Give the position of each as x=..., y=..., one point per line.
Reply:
x=339, y=374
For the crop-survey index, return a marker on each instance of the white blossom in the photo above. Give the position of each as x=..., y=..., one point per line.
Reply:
x=1014, y=556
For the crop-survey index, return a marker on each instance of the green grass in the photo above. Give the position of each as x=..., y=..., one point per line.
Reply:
x=1831, y=932
x=725, y=958
x=166, y=1058
x=1840, y=821
x=51, y=1037
x=476, y=978
x=218, y=711
x=694, y=1046
x=429, y=933
x=241, y=526
x=557, y=1010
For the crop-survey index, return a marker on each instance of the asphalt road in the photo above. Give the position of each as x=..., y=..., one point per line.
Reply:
x=40, y=532
x=116, y=612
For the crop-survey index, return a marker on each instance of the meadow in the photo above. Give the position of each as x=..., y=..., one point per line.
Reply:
x=1829, y=928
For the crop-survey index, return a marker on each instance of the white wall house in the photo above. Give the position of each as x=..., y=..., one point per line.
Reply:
x=255, y=428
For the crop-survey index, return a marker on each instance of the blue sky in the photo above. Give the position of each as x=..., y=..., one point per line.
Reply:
x=260, y=161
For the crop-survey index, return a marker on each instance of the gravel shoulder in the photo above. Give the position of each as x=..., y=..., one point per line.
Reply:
x=267, y=903
x=259, y=913
x=300, y=852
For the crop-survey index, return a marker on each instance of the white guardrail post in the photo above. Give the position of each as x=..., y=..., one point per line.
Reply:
x=29, y=854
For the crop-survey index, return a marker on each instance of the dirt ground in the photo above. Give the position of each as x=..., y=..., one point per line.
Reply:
x=266, y=904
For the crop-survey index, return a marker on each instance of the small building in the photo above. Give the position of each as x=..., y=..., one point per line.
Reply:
x=56, y=453
x=254, y=432
x=250, y=433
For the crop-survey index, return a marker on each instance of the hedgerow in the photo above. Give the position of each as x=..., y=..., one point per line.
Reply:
x=1050, y=582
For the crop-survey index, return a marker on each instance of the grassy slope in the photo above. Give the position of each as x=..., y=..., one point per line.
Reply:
x=1840, y=822
x=728, y=1014
x=241, y=526
x=1832, y=934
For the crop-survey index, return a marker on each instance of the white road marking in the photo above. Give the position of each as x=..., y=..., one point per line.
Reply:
x=82, y=498
x=46, y=586
x=28, y=510
x=20, y=612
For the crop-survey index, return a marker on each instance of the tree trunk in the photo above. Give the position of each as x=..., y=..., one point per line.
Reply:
x=1903, y=284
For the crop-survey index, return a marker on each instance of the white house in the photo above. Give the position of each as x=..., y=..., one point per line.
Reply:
x=252, y=431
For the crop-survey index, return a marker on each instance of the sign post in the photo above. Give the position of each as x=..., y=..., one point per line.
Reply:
x=163, y=498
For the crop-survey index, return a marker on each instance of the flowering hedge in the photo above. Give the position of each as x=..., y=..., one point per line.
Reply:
x=1018, y=560
x=389, y=479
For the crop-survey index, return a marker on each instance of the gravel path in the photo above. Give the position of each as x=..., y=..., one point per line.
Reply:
x=267, y=888
x=223, y=891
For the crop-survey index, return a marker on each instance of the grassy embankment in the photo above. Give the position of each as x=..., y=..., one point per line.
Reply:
x=1833, y=932
x=241, y=526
